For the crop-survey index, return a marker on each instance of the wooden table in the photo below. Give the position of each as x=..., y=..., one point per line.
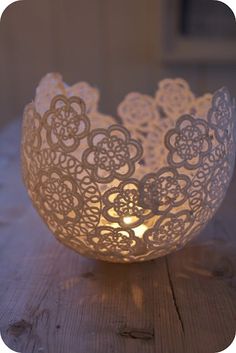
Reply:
x=53, y=300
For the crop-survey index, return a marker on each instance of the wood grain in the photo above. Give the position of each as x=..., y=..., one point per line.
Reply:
x=53, y=300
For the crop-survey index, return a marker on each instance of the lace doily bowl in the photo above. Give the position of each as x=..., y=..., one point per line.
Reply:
x=130, y=191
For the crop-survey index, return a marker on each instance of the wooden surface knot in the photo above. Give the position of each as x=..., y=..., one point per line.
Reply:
x=224, y=269
x=135, y=333
x=18, y=328
x=89, y=275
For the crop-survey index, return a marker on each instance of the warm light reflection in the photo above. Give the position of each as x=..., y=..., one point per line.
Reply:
x=139, y=231
x=128, y=220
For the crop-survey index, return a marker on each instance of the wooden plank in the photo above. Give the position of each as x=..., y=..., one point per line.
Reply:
x=54, y=300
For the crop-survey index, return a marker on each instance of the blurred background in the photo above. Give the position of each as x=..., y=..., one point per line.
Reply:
x=117, y=45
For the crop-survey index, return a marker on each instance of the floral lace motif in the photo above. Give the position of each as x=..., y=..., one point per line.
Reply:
x=220, y=115
x=113, y=242
x=66, y=123
x=138, y=110
x=210, y=183
x=52, y=85
x=58, y=194
x=32, y=139
x=163, y=190
x=90, y=95
x=133, y=192
x=188, y=143
x=169, y=229
x=174, y=97
x=111, y=154
x=64, y=193
x=49, y=87
x=122, y=205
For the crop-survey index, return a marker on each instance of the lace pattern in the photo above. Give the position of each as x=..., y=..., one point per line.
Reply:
x=132, y=191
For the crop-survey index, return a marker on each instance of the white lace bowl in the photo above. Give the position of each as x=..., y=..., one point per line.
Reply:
x=133, y=191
